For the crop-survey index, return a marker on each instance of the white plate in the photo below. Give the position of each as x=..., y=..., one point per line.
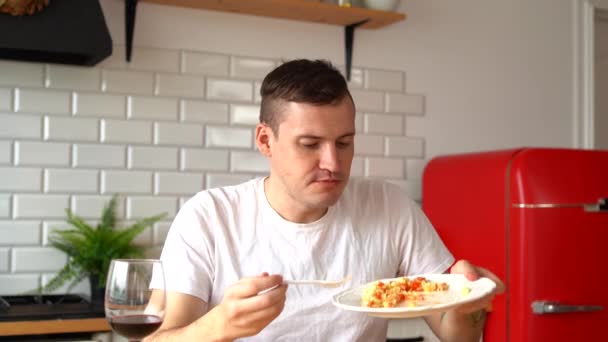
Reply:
x=351, y=299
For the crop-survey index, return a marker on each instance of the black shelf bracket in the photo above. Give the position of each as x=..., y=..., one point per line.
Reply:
x=349, y=35
x=130, y=10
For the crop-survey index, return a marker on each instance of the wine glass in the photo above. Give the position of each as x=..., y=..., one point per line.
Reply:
x=135, y=297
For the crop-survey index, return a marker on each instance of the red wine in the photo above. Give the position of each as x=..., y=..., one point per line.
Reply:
x=135, y=326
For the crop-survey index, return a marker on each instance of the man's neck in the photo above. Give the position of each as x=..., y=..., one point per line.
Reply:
x=286, y=206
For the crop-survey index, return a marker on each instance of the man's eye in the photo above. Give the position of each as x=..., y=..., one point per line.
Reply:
x=311, y=145
x=343, y=144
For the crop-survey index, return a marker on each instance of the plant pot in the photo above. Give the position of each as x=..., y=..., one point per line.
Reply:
x=382, y=5
x=97, y=293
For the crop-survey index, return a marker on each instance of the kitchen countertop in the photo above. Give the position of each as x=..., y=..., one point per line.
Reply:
x=55, y=326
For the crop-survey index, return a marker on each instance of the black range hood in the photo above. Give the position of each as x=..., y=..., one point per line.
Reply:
x=66, y=32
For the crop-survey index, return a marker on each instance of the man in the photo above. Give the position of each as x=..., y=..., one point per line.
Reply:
x=306, y=220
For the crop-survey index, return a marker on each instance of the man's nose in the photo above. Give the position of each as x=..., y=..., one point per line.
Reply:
x=329, y=158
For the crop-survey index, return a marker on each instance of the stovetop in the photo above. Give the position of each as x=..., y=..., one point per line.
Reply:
x=43, y=307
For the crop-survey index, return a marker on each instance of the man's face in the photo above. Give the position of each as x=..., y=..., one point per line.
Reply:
x=311, y=156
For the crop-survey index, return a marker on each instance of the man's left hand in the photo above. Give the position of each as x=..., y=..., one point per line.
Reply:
x=472, y=272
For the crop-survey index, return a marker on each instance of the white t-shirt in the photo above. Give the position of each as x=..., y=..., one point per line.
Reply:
x=374, y=231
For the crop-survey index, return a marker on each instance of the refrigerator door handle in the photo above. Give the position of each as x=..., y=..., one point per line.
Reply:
x=542, y=307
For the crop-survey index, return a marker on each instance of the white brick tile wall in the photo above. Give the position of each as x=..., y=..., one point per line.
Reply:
x=205, y=63
x=201, y=111
x=369, y=144
x=401, y=103
x=198, y=159
x=6, y=99
x=70, y=77
x=102, y=156
x=228, y=137
x=121, y=131
x=48, y=227
x=71, y=181
x=160, y=232
x=356, y=76
x=90, y=206
x=384, y=124
x=43, y=101
x=244, y=114
x=21, y=74
x=82, y=287
x=140, y=207
x=144, y=238
x=42, y=153
x=20, y=179
x=180, y=85
x=18, y=283
x=161, y=158
x=20, y=126
x=183, y=200
x=177, y=183
x=257, y=98
x=5, y=205
x=152, y=59
x=241, y=67
x=70, y=129
x=384, y=168
x=229, y=90
x=101, y=105
x=357, y=168
x=405, y=147
x=248, y=162
x=39, y=206
x=117, y=59
x=170, y=133
x=415, y=126
x=411, y=187
x=6, y=155
x=370, y=101
x=384, y=80
x=37, y=259
x=216, y=180
x=20, y=233
x=414, y=168
x=4, y=259
x=123, y=182
x=128, y=82
x=148, y=108
x=156, y=131
x=359, y=127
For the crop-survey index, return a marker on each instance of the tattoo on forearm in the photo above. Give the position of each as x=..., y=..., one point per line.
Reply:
x=477, y=318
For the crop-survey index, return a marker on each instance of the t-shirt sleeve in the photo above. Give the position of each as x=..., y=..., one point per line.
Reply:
x=188, y=252
x=421, y=248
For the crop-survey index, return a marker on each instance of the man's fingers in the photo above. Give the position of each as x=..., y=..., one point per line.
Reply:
x=263, y=310
x=472, y=272
x=252, y=309
x=466, y=268
x=500, y=286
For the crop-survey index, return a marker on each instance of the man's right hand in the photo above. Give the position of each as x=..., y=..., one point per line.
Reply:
x=244, y=311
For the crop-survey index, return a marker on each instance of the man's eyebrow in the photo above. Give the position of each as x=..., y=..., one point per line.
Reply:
x=311, y=136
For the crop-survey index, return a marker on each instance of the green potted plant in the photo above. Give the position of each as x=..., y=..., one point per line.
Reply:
x=91, y=249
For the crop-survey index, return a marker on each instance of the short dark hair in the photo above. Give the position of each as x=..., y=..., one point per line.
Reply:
x=316, y=82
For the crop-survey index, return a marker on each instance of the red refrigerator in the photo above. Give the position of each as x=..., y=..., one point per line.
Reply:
x=538, y=218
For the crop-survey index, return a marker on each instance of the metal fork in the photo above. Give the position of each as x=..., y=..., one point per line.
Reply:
x=322, y=283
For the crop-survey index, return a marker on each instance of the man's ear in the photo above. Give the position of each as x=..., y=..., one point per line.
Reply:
x=263, y=137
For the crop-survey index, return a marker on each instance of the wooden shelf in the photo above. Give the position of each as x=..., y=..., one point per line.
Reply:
x=56, y=326
x=301, y=10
